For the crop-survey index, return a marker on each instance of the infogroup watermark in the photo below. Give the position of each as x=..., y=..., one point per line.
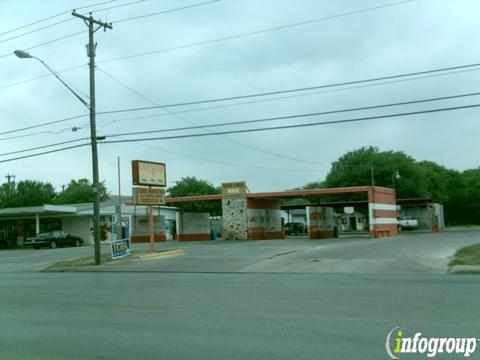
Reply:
x=397, y=344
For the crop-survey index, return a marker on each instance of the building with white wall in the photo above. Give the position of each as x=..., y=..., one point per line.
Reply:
x=17, y=224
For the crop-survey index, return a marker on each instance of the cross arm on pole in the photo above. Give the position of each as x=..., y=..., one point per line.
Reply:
x=91, y=19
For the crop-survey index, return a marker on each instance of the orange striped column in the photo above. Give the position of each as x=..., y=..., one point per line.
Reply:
x=383, y=212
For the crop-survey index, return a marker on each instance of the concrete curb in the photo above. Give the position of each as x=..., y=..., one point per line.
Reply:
x=55, y=267
x=155, y=255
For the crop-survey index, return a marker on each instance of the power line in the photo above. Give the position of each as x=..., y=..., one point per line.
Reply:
x=68, y=19
x=44, y=152
x=114, y=7
x=295, y=125
x=278, y=92
x=116, y=22
x=35, y=30
x=206, y=108
x=208, y=130
x=251, y=33
x=53, y=132
x=43, y=146
x=53, y=17
x=247, y=130
x=229, y=163
x=165, y=11
x=281, y=27
x=430, y=72
x=74, y=128
x=42, y=76
x=48, y=42
x=42, y=124
x=287, y=117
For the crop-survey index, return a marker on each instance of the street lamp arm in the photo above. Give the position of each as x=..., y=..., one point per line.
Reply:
x=63, y=82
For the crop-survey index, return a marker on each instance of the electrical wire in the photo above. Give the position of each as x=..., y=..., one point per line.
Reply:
x=53, y=17
x=287, y=117
x=206, y=108
x=114, y=7
x=116, y=22
x=164, y=11
x=279, y=92
x=239, y=143
x=295, y=125
x=281, y=27
x=252, y=33
x=53, y=132
x=43, y=146
x=43, y=124
x=65, y=20
x=229, y=163
x=430, y=72
x=42, y=76
x=351, y=120
x=44, y=153
x=36, y=30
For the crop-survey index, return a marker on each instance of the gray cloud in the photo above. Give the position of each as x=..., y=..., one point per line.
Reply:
x=410, y=37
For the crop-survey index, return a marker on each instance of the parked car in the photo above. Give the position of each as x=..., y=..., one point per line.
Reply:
x=53, y=239
x=295, y=228
x=407, y=223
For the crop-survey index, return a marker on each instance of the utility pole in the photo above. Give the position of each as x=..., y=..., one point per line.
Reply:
x=91, y=22
x=372, y=176
x=9, y=176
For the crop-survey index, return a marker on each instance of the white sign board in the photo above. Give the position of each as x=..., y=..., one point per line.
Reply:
x=148, y=173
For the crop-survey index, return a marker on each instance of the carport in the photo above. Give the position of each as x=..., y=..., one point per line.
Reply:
x=18, y=223
x=257, y=216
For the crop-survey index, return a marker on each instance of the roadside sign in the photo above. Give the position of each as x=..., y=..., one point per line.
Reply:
x=148, y=196
x=120, y=248
x=148, y=173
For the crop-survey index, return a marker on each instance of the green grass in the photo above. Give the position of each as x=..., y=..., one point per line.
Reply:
x=469, y=255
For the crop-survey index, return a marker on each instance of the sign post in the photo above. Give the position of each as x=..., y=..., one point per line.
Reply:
x=151, y=227
x=153, y=175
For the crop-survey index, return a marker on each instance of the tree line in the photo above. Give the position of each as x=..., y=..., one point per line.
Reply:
x=458, y=191
x=35, y=193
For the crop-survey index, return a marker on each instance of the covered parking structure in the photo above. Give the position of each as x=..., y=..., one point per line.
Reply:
x=351, y=216
x=257, y=216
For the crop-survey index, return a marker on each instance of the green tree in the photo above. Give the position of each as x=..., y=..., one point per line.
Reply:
x=34, y=193
x=26, y=193
x=355, y=169
x=80, y=191
x=191, y=186
x=7, y=195
x=459, y=192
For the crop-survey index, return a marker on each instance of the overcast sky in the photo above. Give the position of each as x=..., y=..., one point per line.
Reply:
x=408, y=37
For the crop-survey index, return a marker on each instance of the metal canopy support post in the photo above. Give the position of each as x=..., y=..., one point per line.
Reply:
x=90, y=21
x=37, y=224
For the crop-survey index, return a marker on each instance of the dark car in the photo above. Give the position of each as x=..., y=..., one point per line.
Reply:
x=295, y=228
x=53, y=239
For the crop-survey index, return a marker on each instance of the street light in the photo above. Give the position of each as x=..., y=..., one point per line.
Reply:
x=395, y=175
x=93, y=139
x=25, y=55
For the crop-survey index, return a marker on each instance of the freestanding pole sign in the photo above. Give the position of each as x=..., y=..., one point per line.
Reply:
x=153, y=175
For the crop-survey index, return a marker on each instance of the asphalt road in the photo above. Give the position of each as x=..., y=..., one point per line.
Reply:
x=233, y=312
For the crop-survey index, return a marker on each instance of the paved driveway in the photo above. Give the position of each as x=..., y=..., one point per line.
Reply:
x=405, y=254
x=213, y=302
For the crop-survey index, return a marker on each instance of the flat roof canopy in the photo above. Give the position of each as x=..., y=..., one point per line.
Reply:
x=280, y=194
